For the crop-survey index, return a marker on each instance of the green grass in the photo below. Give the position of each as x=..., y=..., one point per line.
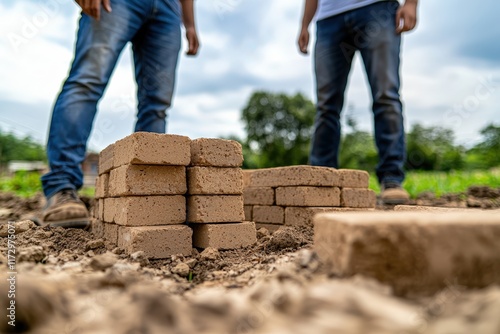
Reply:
x=442, y=183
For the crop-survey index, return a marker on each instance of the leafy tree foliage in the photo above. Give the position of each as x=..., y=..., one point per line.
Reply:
x=14, y=148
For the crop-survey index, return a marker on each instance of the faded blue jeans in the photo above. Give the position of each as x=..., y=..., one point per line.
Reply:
x=371, y=30
x=153, y=28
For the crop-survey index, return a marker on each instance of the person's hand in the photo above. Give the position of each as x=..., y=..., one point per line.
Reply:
x=193, y=42
x=303, y=41
x=406, y=17
x=93, y=7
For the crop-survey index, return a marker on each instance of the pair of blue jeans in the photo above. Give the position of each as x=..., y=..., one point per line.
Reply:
x=153, y=28
x=371, y=30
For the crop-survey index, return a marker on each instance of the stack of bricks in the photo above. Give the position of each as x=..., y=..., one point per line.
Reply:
x=141, y=190
x=293, y=195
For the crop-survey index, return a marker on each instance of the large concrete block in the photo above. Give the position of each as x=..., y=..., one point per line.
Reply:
x=215, y=209
x=102, y=186
x=295, y=176
x=216, y=153
x=303, y=216
x=308, y=196
x=138, y=180
x=150, y=210
x=214, y=181
x=106, y=159
x=157, y=242
x=351, y=178
x=147, y=148
x=269, y=214
x=258, y=196
x=414, y=252
x=224, y=236
x=358, y=198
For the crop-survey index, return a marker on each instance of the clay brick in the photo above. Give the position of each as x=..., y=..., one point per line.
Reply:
x=147, y=148
x=133, y=180
x=157, y=242
x=415, y=252
x=269, y=214
x=224, y=236
x=97, y=228
x=102, y=186
x=214, y=181
x=303, y=216
x=358, y=198
x=431, y=208
x=106, y=159
x=308, y=196
x=258, y=196
x=247, y=177
x=215, y=209
x=111, y=233
x=150, y=210
x=248, y=209
x=100, y=209
x=270, y=227
x=109, y=210
x=216, y=153
x=351, y=178
x=295, y=176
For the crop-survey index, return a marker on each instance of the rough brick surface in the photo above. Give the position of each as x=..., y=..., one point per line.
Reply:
x=216, y=153
x=106, y=159
x=358, y=198
x=157, y=242
x=270, y=227
x=295, y=176
x=224, y=236
x=109, y=210
x=149, y=210
x=308, y=196
x=130, y=180
x=147, y=148
x=303, y=216
x=258, y=196
x=248, y=209
x=97, y=228
x=215, y=181
x=215, y=209
x=269, y=214
x=100, y=209
x=415, y=252
x=102, y=186
x=111, y=233
x=247, y=177
x=431, y=208
x=351, y=178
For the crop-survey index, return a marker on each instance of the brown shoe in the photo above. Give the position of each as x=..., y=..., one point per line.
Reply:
x=65, y=209
x=394, y=194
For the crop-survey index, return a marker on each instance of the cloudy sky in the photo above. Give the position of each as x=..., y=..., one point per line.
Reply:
x=450, y=71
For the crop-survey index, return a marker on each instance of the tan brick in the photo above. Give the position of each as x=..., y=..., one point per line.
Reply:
x=150, y=210
x=111, y=233
x=97, y=228
x=248, y=209
x=102, y=186
x=106, y=159
x=224, y=236
x=157, y=242
x=270, y=227
x=415, y=252
x=109, y=210
x=100, y=208
x=432, y=208
x=295, y=176
x=147, y=148
x=133, y=180
x=258, y=196
x=358, y=198
x=215, y=181
x=351, y=178
x=247, y=177
x=303, y=216
x=215, y=209
x=308, y=196
x=269, y=214
x=216, y=153
x=95, y=209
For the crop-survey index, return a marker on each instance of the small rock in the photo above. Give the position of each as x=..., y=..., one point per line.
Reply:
x=31, y=254
x=191, y=263
x=140, y=257
x=181, y=269
x=103, y=261
x=90, y=253
x=5, y=213
x=94, y=244
x=474, y=202
x=210, y=253
x=51, y=259
x=117, y=251
x=72, y=266
x=262, y=232
x=3, y=259
x=19, y=227
x=283, y=238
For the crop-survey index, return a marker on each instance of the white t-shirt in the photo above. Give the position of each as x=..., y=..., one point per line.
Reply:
x=328, y=8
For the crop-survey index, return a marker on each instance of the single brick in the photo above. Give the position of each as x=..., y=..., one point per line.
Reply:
x=308, y=196
x=150, y=210
x=214, y=181
x=97, y=228
x=351, y=178
x=303, y=216
x=224, y=236
x=147, y=148
x=216, y=153
x=415, y=252
x=157, y=242
x=295, y=176
x=358, y=198
x=102, y=186
x=109, y=210
x=432, y=208
x=111, y=233
x=106, y=159
x=269, y=214
x=270, y=227
x=258, y=196
x=215, y=209
x=100, y=208
x=95, y=209
x=247, y=177
x=134, y=180
x=248, y=209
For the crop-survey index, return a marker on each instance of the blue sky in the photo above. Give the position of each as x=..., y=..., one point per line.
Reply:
x=450, y=71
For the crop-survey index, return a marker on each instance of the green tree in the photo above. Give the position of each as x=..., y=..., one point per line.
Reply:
x=14, y=148
x=486, y=154
x=357, y=150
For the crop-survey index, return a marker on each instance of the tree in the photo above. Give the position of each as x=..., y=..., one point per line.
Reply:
x=357, y=150
x=486, y=153
x=14, y=148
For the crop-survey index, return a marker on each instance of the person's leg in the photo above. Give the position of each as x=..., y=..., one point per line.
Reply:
x=376, y=38
x=333, y=59
x=156, y=49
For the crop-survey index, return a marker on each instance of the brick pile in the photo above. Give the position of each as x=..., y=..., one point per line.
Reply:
x=293, y=195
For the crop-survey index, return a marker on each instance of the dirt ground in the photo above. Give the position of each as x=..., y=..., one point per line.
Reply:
x=70, y=282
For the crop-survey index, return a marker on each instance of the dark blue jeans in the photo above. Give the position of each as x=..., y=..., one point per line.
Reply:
x=371, y=30
x=153, y=27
